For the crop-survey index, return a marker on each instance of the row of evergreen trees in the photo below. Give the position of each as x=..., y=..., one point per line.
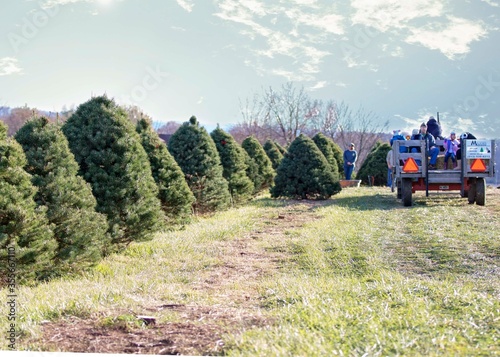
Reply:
x=72, y=193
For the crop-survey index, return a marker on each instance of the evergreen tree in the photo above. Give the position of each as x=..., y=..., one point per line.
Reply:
x=173, y=191
x=273, y=153
x=265, y=173
x=326, y=146
x=26, y=239
x=234, y=167
x=281, y=149
x=195, y=152
x=252, y=170
x=79, y=230
x=112, y=159
x=375, y=165
x=304, y=173
x=339, y=156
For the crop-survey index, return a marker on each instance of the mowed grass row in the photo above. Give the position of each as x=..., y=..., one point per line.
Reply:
x=367, y=277
x=374, y=278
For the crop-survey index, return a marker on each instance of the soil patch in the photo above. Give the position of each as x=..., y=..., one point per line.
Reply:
x=197, y=330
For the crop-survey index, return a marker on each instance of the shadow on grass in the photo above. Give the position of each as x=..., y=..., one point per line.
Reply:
x=359, y=201
x=367, y=200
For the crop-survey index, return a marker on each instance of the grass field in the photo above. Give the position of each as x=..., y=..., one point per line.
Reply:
x=354, y=275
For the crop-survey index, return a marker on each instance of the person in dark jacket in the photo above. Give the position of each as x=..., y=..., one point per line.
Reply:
x=434, y=128
x=350, y=157
x=432, y=149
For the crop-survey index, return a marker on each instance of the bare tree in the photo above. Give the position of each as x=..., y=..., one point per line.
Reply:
x=17, y=117
x=361, y=127
x=283, y=115
x=253, y=120
x=289, y=112
x=169, y=127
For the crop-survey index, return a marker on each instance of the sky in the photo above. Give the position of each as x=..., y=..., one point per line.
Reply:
x=403, y=60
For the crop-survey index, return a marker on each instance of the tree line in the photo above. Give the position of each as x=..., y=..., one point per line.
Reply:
x=76, y=191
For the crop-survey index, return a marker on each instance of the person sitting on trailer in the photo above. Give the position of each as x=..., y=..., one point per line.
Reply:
x=434, y=128
x=451, y=147
x=416, y=135
x=432, y=149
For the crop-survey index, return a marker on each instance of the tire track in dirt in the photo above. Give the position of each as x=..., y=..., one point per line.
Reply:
x=198, y=330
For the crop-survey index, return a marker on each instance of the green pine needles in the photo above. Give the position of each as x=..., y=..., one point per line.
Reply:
x=304, y=173
x=273, y=153
x=195, y=152
x=375, y=165
x=173, y=191
x=327, y=147
x=25, y=237
x=112, y=159
x=260, y=169
x=232, y=158
x=79, y=230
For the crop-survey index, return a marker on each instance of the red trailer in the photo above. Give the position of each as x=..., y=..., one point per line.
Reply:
x=411, y=174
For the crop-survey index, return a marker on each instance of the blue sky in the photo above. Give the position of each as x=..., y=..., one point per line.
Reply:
x=404, y=60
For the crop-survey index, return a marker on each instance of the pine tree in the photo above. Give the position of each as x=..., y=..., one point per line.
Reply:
x=339, y=156
x=173, y=191
x=273, y=153
x=304, y=173
x=234, y=167
x=265, y=173
x=112, y=159
x=195, y=152
x=79, y=230
x=281, y=149
x=25, y=235
x=375, y=165
x=326, y=146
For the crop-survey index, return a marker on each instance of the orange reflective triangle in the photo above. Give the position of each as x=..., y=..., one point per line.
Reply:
x=410, y=165
x=478, y=166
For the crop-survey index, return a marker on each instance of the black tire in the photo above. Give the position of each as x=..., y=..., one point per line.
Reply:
x=471, y=195
x=398, y=186
x=480, y=191
x=406, y=192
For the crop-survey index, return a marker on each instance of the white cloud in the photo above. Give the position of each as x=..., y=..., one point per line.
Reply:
x=452, y=39
x=318, y=85
x=492, y=3
x=330, y=23
x=186, y=5
x=8, y=66
x=200, y=100
x=47, y=4
x=385, y=15
x=289, y=32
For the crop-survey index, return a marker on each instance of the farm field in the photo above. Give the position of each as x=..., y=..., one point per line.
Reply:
x=353, y=275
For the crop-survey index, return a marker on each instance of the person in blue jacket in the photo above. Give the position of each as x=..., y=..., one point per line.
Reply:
x=432, y=149
x=350, y=157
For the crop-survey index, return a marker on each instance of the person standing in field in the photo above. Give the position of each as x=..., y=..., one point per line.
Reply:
x=389, y=159
x=350, y=157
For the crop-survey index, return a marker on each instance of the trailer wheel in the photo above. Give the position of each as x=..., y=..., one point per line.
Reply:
x=398, y=188
x=480, y=191
x=406, y=192
x=471, y=195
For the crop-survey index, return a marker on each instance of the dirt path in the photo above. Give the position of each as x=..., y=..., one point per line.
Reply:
x=232, y=285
